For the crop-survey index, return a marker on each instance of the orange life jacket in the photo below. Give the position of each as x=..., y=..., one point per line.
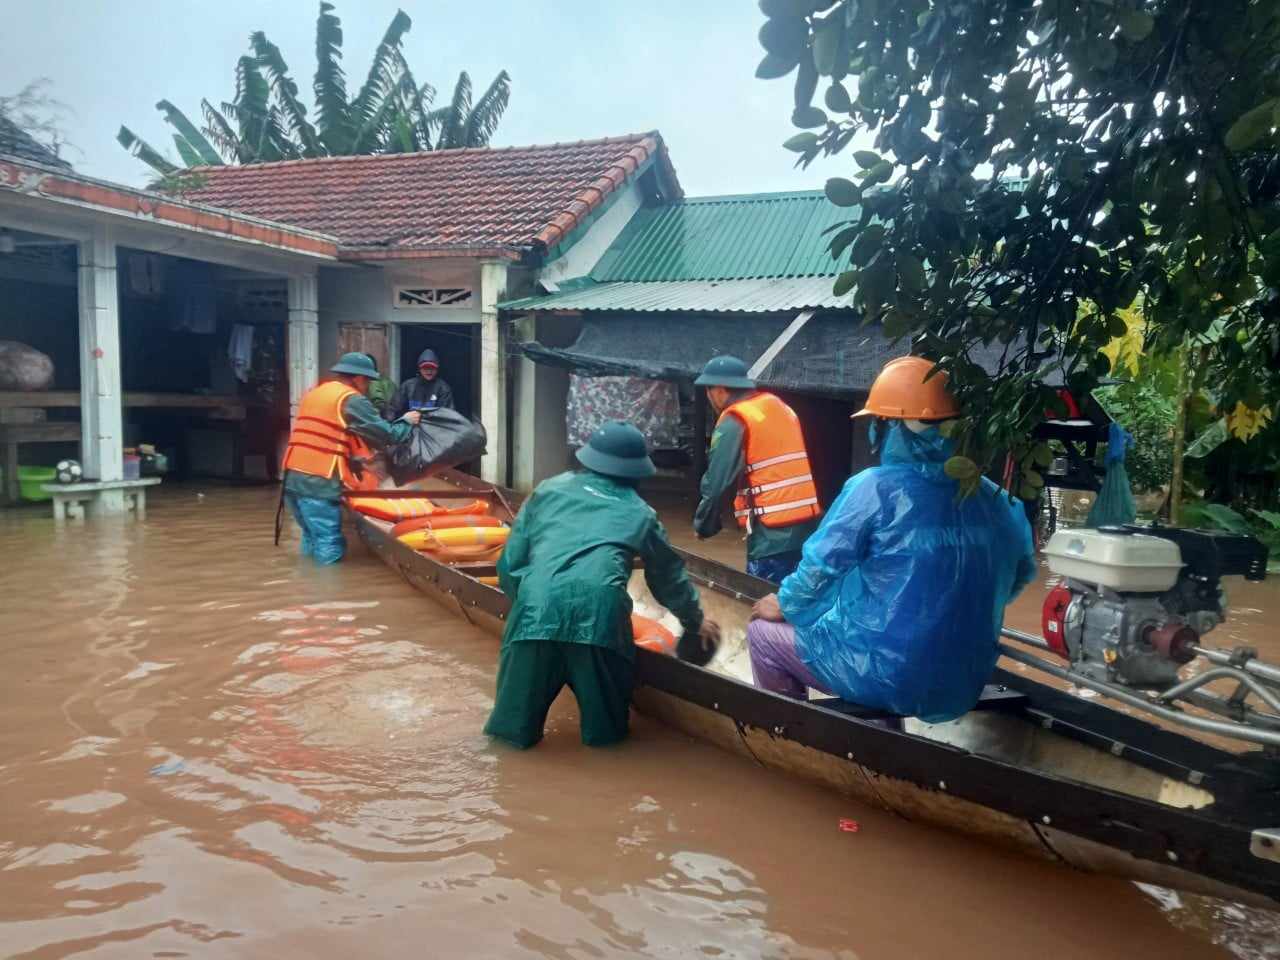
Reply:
x=320, y=445
x=779, y=489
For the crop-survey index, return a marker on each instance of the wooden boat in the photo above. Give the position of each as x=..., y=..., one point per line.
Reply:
x=1033, y=767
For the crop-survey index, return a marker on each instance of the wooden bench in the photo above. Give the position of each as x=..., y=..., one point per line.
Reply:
x=71, y=499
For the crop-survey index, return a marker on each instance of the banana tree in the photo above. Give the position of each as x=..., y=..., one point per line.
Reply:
x=266, y=120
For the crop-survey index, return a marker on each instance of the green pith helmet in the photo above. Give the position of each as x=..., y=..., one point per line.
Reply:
x=725, y=371
x=617, y=449
x=355, y=365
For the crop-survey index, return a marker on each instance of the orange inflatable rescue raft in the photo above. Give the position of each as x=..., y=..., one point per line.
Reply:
x=652, y=635
x=390, y=508
x=444, y=521
x=458, y=544
x=400, y=509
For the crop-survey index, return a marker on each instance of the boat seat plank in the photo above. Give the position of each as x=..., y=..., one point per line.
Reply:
x=994, y=697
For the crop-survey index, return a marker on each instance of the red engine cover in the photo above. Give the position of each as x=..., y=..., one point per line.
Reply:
x=1053, y=620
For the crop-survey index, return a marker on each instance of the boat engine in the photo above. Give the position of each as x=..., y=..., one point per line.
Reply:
x=1135, y=601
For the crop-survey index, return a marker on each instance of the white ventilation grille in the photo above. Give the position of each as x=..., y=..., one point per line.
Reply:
x=429, y=298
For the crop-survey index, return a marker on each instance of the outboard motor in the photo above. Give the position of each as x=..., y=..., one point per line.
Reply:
x=1135, y=601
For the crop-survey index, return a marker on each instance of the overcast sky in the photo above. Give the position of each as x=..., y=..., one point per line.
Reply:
x=580, y=69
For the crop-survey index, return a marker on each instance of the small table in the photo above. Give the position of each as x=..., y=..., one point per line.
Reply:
x=12, y=434
x=69, y=499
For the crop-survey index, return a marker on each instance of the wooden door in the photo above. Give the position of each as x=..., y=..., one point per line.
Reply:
x=370, y=338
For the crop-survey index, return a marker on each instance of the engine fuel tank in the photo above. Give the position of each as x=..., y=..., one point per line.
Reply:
x=1123, y=562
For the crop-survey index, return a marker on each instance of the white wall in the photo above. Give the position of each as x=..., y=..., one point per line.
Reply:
x=541, y=446
x=366, y=294
x=583, y=255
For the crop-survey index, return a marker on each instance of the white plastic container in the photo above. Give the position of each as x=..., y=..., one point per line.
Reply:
x=1123, y=562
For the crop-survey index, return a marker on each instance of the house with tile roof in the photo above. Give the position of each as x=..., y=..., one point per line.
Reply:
x=162, y=302
x=429, y=243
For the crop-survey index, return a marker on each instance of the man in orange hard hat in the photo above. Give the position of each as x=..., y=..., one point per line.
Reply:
x=758, y=451
x=899, y=599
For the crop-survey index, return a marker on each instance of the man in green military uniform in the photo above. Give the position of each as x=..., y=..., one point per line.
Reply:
x=565, y=567
x=773, y=549
x=318, y=461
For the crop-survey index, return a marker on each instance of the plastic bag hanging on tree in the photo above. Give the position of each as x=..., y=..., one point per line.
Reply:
x=1114, y=505
x=441, y=440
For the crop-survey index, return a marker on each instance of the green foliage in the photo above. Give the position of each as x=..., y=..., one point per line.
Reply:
x=1150, y=416
x=1142, y=138
x=1145, y=404
x=266, y=120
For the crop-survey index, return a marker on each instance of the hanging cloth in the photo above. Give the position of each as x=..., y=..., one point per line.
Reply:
x=240, y=351
x=1114, y=505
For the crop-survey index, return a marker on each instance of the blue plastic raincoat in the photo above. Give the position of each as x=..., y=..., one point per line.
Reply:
x=900, y=597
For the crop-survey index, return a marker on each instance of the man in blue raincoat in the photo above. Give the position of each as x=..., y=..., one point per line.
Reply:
x=899, y=599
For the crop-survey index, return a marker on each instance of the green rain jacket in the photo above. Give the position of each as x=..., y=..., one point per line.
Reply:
x=380, y=393
x=569, y=557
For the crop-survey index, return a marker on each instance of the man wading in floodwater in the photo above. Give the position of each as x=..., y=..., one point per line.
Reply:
x=335, y=420
x=758, y=451
x=565, y=568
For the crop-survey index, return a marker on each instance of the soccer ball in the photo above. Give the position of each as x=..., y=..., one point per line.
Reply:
x=68, y=471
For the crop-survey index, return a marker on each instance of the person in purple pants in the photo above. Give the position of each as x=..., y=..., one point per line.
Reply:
x=899, y=597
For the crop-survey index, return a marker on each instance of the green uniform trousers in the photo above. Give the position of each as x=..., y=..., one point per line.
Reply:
x=531, y=674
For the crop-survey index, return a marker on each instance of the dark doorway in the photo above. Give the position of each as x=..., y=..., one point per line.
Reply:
x=829, y=439
x=456, y=345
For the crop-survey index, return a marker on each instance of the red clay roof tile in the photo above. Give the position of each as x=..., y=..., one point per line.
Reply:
x=476, y=202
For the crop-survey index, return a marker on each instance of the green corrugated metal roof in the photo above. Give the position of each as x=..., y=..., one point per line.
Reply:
x=749, y=236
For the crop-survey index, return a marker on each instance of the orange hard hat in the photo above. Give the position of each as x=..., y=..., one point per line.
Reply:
x=901, y=392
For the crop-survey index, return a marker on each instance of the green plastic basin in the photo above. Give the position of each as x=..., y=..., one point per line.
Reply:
x=29, y=480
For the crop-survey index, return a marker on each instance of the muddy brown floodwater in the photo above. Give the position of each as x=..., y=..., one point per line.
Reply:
x=211, y=748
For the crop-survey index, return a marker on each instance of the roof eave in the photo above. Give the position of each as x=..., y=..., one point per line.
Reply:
x=437, y=251
x=27, y=178
x=649, y=153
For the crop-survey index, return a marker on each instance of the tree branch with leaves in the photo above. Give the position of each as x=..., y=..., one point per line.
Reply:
x=1040, y=167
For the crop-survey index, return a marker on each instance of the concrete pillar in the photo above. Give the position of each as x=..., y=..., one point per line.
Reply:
x=493, y=371
x=304, y=338
x=540, y=441
x=525, y=416
x=101, y=420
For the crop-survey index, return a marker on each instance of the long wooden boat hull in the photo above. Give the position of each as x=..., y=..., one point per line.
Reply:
x=1041, y=771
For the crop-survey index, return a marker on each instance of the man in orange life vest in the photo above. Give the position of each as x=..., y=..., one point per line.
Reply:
x=335, y=421
x=757, y=450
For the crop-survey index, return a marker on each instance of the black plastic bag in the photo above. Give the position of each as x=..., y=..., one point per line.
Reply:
x=443, y=439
